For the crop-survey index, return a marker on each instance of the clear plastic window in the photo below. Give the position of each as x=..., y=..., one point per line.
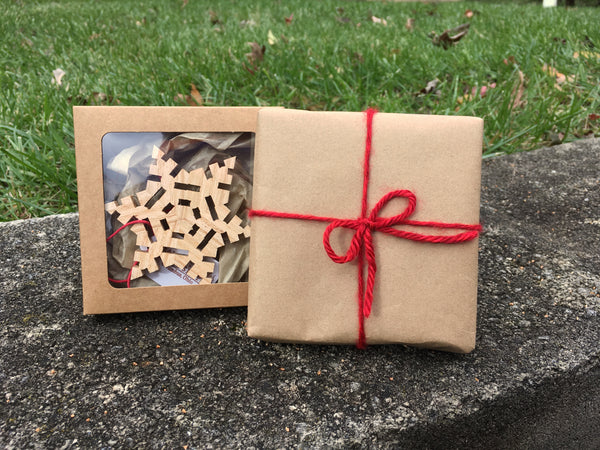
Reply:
x=176, y=207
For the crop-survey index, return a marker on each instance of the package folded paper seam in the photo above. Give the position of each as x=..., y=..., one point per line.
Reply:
x=270, y=321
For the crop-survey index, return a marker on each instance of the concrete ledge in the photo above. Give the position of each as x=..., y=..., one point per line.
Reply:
x=192, y=378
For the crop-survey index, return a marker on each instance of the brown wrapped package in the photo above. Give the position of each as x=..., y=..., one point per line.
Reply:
x=425, y=294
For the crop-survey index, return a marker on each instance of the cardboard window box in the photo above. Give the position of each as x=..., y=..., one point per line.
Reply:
x=103, y=133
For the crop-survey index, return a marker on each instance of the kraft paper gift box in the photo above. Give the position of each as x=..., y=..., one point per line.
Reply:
x=125, y=134
x=311, y=163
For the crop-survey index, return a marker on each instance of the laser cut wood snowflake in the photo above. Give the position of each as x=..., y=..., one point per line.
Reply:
x=189, y=219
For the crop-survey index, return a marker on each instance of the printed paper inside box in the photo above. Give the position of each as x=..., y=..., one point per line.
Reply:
x=176, y=207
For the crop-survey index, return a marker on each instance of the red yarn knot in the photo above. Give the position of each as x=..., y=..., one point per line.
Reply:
x=361, y=246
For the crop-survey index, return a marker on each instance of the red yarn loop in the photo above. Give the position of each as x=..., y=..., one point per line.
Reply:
x=127, y=280
x=361, y=246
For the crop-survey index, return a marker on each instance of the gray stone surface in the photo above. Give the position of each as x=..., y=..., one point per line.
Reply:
x=192, y=378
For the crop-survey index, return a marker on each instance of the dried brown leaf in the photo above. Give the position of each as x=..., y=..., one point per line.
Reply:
x=451, y=36
x=257, y=54
x=195, y=96
x=288, y=20
x=193, y=99
x=254, y=57
x=410, y=24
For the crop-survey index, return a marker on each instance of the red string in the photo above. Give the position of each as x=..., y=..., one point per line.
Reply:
x=361, y=247
x=135, y=263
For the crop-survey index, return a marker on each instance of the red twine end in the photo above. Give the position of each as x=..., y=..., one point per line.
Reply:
x=135, y=263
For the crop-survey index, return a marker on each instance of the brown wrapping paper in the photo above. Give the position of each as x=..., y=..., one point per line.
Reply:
x=311, y=163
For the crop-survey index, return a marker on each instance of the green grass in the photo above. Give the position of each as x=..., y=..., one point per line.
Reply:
x=331, y=57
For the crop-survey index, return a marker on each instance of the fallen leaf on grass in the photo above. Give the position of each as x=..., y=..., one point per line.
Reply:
x=410, y=24
x=468, y=13
x=271, y=39
x=255, y=56
x=58, y=76
x=559, y=78
x=483, y=90
x=451, y=36
x=193, y=99
x=26, y=42
x=430, y=87
x=195, y=94
x=184, y=3
x=288, y=20
x=378, y=20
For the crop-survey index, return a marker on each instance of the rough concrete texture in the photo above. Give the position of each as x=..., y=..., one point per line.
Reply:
x=193, y=378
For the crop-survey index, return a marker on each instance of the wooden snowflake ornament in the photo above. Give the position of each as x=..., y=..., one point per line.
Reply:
x=188, y=216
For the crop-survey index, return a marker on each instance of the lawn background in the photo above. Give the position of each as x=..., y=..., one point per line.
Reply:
x=539, y=68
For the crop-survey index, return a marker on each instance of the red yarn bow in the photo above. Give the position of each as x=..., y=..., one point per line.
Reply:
x=361, y=246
